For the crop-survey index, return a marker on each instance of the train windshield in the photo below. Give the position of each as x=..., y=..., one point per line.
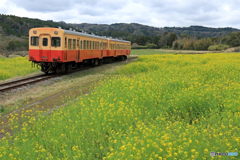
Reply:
x=56, y=42
x=34, y=41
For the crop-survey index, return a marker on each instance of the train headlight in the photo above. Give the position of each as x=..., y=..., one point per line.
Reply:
x=55, y=32
x=34, y=31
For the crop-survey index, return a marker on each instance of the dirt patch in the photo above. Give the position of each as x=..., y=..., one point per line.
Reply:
x=234, y=49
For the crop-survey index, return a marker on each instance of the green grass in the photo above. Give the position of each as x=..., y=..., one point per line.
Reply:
x=161, y=107
x=11, y=67
x=147, y=51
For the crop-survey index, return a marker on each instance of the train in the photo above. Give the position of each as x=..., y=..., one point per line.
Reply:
x=60, y=50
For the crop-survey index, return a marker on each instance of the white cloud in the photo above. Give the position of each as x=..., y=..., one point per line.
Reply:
x=179, y=13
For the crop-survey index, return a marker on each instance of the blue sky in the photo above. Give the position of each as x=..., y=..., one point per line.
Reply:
x=157, y=13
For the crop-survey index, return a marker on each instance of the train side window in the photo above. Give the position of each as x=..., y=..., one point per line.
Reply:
x=100, y=45
x=90, y=45
x=45, y=42
x=84, y=44
x=87, y=44
x=78, y=44
x=56, y=41
x=74, y=43
x=81, y=45
x=69, y=43
x=35, y=41
x=93, y=44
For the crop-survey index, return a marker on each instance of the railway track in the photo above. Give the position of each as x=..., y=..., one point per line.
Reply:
x=34, y=79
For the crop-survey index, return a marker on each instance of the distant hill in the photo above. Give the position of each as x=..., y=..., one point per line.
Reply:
x=20, y=26
x=139, y=29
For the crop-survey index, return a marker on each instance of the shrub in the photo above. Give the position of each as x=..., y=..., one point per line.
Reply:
x=218, y=47
x=151, y=46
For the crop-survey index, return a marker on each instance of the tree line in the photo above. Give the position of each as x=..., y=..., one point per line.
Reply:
x=186, y=42
x=143, y=37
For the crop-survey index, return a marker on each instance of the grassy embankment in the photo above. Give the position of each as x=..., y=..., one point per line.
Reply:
x=162, y=106
x=11, y=67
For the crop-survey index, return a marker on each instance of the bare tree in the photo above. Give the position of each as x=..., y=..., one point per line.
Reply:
x=6, y=52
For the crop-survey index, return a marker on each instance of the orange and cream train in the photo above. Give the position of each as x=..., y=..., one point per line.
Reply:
x=60, y=50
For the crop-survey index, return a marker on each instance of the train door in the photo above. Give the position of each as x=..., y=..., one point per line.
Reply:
x=78, y=50
x=65, y=52
x=101, y=48
x=114, y=48
x=45, y=47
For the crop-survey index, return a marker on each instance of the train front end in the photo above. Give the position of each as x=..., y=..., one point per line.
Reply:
x=46, y=48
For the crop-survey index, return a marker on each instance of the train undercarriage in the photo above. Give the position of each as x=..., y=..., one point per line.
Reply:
x=54, y=67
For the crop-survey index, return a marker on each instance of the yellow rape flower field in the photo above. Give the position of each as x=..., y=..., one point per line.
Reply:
x=11, y=67
x=160, y=107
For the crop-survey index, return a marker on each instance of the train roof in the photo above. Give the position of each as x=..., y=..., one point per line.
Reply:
x=92, y=35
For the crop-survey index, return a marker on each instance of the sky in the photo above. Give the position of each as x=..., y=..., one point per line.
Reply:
x=157, y=13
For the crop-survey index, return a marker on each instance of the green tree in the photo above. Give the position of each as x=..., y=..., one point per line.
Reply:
x=172, y=38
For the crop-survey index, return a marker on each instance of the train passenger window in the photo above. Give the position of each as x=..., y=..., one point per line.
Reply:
x=81, y=45
x=35, y=41
x=87, y=44
x=56, y=42
x=69, y=43
x=90, y=45
x=74, y=43
x=93, y=44
x=100, y=45
x=77, y=43
x=45, y=42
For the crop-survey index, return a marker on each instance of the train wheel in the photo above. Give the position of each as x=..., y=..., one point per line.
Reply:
x=63, y=68
x=122, y=58
x=96, y=62
x=69, y=67
x=58, y=69
x=100, y=61
x=110, y=59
